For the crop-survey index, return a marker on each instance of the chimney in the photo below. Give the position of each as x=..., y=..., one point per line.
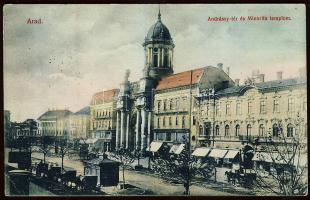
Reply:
x=220, y=66
x=279, y=75
x=227, y=71
x=261, y=78
x=237, y=82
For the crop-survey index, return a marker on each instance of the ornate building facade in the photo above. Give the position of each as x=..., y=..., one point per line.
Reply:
x=103, y=117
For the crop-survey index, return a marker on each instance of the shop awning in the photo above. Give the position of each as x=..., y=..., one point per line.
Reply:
x=91, y=141
x=155, y=146
x=201, y=152
x=174, y=148
x=231, y=154
x=217, y=153
x=180, y=149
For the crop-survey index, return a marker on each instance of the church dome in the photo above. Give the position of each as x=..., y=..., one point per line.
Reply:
x=158, y=33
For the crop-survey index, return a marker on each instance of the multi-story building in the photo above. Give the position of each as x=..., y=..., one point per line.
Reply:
x=55, y=123
x=102, y=117
x=79, y=124
x=175, y=108
x=245, y=113
x=28, y=128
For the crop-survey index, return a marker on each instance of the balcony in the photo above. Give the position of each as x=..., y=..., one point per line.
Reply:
x=173, y=111
x=104, y=117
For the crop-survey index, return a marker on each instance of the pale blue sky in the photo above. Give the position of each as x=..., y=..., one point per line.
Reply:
x=83, y=49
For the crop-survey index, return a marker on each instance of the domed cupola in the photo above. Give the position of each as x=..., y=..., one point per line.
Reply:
x=158, y=33
x=158, y=46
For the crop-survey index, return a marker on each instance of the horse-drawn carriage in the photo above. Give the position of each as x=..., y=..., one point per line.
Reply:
x=239, y=176
x=66, y=177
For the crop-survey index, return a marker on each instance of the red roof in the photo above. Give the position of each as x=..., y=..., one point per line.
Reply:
x=180, y=79
x=104, y=97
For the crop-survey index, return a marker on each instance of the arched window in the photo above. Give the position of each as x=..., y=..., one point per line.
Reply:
x=290, y=130
x=237, y=130
x=227, y=130
x=261, y=130
x=217, y=130
x=275, y=130
x=248, y=130
x=170, y=104
x=176, y=120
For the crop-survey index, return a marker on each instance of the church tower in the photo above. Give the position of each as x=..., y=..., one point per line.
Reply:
x=158, y=46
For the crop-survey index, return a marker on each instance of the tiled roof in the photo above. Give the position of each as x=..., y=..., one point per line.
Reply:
x=83, y=111
x=55, y=114
x=277, y=84
x=104, y=97
x=180, y=79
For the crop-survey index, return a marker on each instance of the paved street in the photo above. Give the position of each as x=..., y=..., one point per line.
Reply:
x=149, y=182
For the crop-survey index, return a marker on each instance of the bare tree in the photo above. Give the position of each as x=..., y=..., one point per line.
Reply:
x=285, y=152
x=125, y=157
x=45, y=146
x=182, y=168
x=64, y=149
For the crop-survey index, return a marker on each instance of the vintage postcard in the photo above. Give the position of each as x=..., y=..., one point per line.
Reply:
x=170, y=99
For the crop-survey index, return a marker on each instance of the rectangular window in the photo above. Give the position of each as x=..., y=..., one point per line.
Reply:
x=262, y=106
x=276, y=105
x=158, y=106
x=304, y=103
x=217, y=109
x=158, y=120
x=250, y=107
x=165, y=105
x=228, y=109
x=194, y=120
x=176, y=120
x=170, y=122
x=290, y=106
x=238, y=108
